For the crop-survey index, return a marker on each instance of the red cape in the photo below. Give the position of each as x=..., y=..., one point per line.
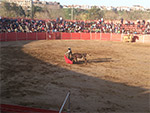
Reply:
x=68, y=60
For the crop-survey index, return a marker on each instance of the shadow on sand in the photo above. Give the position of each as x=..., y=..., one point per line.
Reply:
x=28, y=81
x=98, y=60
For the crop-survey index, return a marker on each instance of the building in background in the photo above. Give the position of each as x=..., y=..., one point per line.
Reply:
x=138, y=7
x=49, y=4
x=56, y=5
x=26, y=4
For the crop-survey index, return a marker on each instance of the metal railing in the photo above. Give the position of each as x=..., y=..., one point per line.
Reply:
x=67, y=98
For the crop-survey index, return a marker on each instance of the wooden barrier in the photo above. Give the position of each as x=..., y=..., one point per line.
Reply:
x=50, y=36
x=92, y=36
x=115, y=37
x=31, y=36
x=6, y=108
x=97, y=36
x=57, y=35
x=65, y=36
x=85, y=36
x=41, y=36
x=21, y=36
x=75, y=36
x=146, y=38
x=15, y=36
x=105, y=36
x=11, y=36
x=2, y=37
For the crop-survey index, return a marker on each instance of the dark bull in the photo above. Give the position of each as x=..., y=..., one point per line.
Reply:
x=75, y=57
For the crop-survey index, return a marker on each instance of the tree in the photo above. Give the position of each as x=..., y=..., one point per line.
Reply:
x=50, y=13
x=67, y=13
x=21, y=12
x=36, y=9
x=80, y=14
x=95, y=13
x=12, y=9
x=7, y=6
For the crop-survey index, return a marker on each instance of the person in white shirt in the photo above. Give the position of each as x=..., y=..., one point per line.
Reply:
x=69, y=53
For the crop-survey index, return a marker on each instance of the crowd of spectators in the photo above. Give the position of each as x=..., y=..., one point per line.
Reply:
x=60, y=25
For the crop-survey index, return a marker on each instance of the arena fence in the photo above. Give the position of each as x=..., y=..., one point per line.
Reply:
x=6, y=108
x=17, y=36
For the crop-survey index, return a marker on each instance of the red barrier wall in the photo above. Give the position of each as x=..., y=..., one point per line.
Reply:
x=75, y=36
x=85, y=36
x=21, y=36
x=2, y=37
x=31, y=36
x=57, y=35
x=93, y=36
x=50, y=36
x=146, y=38
x=65, y=36
x=141, y=39
x=14, y=36
x=41, y=36
x=11, y=36
x=6, y=108
x=115, y=37
x=97, y=36
x=105, y=36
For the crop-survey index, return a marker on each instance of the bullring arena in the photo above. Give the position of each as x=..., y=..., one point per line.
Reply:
x=35, y=76
x=116, y=78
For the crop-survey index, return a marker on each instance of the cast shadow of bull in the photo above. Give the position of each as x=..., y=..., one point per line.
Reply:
x=81, y=58
x=98, y=60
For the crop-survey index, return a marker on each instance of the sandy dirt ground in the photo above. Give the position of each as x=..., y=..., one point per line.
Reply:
x=115, y=80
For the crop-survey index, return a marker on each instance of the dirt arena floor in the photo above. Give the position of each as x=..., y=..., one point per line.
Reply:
x=115, y=80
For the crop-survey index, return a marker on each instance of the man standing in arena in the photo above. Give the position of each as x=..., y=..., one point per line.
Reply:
x=69, y=53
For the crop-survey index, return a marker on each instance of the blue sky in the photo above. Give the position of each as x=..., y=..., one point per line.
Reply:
x=145, y=3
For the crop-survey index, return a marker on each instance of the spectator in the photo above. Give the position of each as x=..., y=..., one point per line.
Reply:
x=121, y=20
x=59, y=25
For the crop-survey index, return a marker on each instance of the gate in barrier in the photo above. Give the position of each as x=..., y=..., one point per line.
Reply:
x=50, y=36
x=57, y=35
